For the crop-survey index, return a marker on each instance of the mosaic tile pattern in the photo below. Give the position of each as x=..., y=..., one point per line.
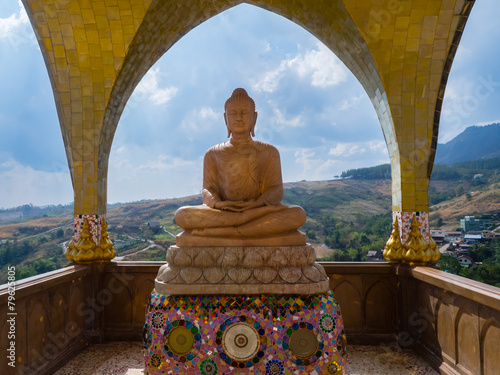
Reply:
x=259, y=334
x=95, y=223
x=404, y=221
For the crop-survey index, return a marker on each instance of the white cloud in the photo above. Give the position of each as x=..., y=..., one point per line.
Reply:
x=21, y=184
x=467, y=99
x=139, y=173
x=320, y=64
x=166, y=163
x=378, y=147
x=312, y=166
x=15, y=23
x=149, y=89
x=16, y=29
x=346, y=149
x=200, y=120
x=351, y=102
x=271, y=79
x=321, y=163
x=325, y=68
x=280, y=121
x=208, y=113
x=484, y=123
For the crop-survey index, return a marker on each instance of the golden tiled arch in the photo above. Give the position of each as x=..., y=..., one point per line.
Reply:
x=97, y=51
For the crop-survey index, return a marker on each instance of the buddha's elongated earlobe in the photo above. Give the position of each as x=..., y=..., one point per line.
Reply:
x=227, y=126
x=252, y=130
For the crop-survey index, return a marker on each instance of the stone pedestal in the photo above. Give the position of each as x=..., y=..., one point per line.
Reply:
x=243, y=310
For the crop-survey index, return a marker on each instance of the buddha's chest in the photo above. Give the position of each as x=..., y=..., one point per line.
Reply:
x=239, y=177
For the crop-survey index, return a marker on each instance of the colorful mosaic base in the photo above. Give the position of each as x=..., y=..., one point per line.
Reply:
x=258, y=334
x=95, y=223
x=404, y=221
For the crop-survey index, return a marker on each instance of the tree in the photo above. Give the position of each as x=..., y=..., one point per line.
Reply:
x=311, y=234
x=481, y=253
x=459, y=190
x=449, y=263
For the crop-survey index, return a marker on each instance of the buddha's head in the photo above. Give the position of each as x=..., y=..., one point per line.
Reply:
x=239, y=114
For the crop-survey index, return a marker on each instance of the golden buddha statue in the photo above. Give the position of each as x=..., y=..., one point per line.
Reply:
x=242, y=190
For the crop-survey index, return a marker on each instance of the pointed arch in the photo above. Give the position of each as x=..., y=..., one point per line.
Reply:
x=156, y=36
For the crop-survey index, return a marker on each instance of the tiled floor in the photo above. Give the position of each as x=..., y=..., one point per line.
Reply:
x=125, y=358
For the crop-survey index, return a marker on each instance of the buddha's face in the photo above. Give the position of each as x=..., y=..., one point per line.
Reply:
x=240, y=118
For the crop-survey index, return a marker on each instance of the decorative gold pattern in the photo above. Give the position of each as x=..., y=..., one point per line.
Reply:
x=86, y=250
x=416, y=251
x=393, y=250
x=106, y=249
x=83, y=250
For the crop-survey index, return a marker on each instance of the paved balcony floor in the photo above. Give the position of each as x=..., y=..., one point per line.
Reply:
x=126, y=358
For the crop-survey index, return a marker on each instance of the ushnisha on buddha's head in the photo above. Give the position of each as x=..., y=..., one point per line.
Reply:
x=240, y=115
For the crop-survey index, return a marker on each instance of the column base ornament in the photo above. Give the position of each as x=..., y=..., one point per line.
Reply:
x=407, y=243
x=90, y=242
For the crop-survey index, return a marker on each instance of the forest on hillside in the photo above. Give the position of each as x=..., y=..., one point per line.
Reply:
x=457, y=171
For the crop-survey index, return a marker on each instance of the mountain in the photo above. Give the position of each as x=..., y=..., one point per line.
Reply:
x=474, y=143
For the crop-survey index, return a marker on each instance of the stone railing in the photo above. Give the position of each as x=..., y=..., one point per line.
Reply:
x=452, y=322
x=44, y=322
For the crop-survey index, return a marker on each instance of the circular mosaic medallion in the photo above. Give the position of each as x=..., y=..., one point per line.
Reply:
x=332, y=368
x=303, y=343
x=275, y=367
x=327, y=323
x=182, y=340
x=241, y=341
x=157, y=320
x=208, y=367
x=155, y=361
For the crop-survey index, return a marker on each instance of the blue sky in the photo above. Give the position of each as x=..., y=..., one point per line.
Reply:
x=310, y=106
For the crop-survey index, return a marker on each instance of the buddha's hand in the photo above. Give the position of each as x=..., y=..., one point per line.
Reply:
x=238, y=206
x=248, y=205
x=233, y=206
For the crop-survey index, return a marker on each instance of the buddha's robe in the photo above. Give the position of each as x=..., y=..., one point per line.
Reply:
x=244, y=171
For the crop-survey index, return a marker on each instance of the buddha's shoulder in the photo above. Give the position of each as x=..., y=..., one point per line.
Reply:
x=217, y=148
x=227, y=148
x=263, y=146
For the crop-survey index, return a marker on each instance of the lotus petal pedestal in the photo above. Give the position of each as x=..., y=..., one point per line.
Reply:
x=243, y=310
